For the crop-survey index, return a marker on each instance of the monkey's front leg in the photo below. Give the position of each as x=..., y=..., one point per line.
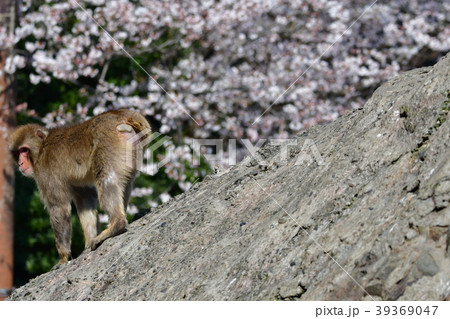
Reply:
x=62, y=228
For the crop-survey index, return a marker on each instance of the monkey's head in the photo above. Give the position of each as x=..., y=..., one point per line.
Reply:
x=24, y=144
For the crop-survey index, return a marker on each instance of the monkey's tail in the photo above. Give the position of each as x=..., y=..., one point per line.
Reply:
x=138, y=122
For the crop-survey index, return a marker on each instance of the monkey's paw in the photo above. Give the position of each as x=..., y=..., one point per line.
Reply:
x=60, y=263
x=95, y=243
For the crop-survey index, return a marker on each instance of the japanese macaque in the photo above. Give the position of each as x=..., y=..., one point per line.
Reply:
x=82, y=163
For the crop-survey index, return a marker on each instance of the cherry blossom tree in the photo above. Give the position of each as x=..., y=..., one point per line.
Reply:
x=219, y=69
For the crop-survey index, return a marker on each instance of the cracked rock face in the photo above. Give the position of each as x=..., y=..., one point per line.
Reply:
x=354, y=210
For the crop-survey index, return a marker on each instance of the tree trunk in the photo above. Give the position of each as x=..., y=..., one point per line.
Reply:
x=8, y=11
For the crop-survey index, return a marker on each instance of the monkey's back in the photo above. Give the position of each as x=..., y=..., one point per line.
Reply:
x=87, y=149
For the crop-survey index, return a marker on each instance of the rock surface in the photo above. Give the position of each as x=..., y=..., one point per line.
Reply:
x=354, y=210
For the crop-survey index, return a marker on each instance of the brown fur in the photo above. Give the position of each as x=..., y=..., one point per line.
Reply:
x=81, y=163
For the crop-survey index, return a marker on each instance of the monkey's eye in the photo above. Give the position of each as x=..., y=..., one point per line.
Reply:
x=21, y=150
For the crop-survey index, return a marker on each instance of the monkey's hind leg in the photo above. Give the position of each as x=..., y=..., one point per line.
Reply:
x=110, y=196
x=85, y=199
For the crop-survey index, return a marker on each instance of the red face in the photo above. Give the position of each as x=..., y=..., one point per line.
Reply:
x=23, y=159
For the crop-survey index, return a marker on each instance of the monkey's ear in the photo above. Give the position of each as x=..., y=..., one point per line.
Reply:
x=41, y=133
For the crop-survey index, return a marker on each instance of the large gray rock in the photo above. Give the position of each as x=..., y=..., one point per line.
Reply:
x=356, y=209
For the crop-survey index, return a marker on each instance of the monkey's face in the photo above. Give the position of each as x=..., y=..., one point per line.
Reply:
x=24, y=144
x=22, y=156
